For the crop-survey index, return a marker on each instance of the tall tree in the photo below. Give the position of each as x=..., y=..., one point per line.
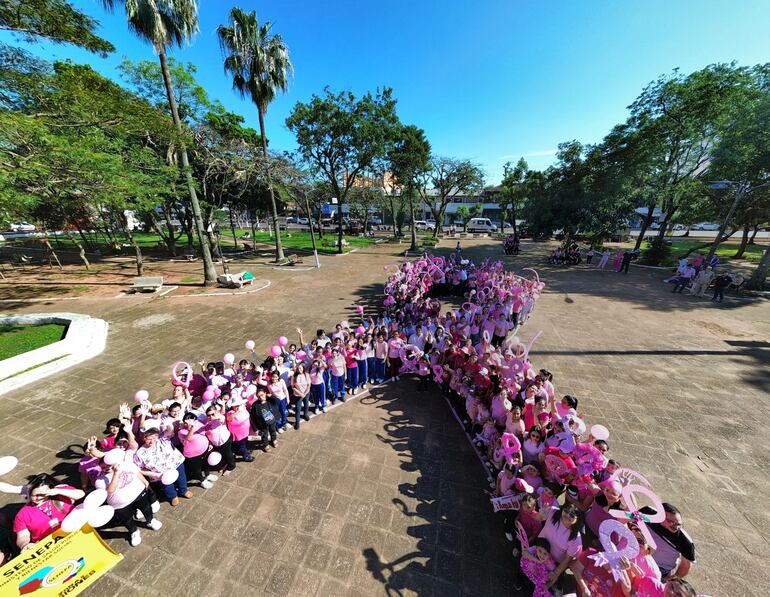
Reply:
x=54, y=20
x=165, y=23
x=449, y=179
x=409, y=159
x=260, y=66
x=513, y=191
x=341, y=137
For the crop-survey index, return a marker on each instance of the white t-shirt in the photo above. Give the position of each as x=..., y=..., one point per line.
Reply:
x=129, y=485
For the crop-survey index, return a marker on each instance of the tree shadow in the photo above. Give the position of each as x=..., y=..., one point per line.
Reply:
x=459, y=547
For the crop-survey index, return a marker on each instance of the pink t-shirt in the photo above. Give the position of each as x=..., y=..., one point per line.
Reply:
x=279, y=390
x=506, y=482
x=44, y=519
x=394, y=347
x=217, y=432
x=381, y=350
x=238, y=423
x=337, y=365
x=129, y=487
x=558, y=536
x=316, y=376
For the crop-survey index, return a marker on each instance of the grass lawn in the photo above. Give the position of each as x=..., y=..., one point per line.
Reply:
x=301, y=240
x=725, y=251
x=16, y=339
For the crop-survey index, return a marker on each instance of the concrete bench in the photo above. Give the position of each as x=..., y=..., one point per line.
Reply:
x=235, y=280
x=189, y=255
x=149, y=284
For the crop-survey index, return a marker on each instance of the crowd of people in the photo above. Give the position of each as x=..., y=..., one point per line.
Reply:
x=698, y=277
x=560, y=487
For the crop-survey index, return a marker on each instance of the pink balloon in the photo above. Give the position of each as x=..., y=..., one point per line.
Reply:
x=114, y=456
x=301, y=355
x=360, y=330
x=282, y=341
x=276, y=351
x=214, y=458
x=217, y=392
x=628, y=497
x=95, y=499
x=169, y=477
x=195, y=446
x=100, y=516
x=600, y=432
x=511, y=446
x=75, y=520
x=229, y=358
x=141, y=395
x=250, y=344
x=208, y=395
x=359, y=309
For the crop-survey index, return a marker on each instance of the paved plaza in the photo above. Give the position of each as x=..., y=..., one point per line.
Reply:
x=384, y=495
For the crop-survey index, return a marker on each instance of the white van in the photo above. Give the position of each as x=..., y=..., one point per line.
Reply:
x=481, y=225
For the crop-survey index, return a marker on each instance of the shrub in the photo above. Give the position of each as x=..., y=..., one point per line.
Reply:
x=657, y=251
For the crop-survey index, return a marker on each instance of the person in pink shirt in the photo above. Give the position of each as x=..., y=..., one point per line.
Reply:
x=337, y=370
x=277, y=388
x=395, y=344
x=220, y=437
x=47, y=505
x=318, y=384
x=351, y=365
x=300, y=386
x=238, y=423
x=380, y=358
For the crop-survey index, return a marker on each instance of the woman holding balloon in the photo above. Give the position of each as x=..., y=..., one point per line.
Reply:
x=161, y=462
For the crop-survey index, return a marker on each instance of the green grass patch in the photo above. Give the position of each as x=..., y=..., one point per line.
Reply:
x=302, y=241
x=191, y=280
x=725, y=251
x=17, y=339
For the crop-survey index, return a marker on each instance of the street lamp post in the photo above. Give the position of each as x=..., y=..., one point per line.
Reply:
x=312, y=237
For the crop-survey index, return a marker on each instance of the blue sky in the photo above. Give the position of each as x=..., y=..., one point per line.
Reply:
x=488, y=80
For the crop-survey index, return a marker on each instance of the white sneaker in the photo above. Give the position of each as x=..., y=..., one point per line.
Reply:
x=398, y=377
x=206, y=484
x=139, y=516
x=281, y=430
x=212, y=477
x=136, y=538
x=154, y=524
x=363, y=387
x=509, y=536
x=155, y=506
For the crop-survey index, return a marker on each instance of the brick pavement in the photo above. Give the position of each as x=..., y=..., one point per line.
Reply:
x=681, y=384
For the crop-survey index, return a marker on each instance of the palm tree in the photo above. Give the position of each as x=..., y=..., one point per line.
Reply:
x=164, y=23
x=260, y=66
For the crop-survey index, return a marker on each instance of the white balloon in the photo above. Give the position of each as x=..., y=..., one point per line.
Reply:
x=95, y=499
x=214, y=458
x=100, y=516
x=75, y=520
x=169, y=477
x=114, y=456
x=7, y=464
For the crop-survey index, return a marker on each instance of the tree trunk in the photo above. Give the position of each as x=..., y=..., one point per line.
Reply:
x=81, y=252
x=513, y=219
x=757, y=280
x=278, y=246
x=645, y=224
x=339, y=220
x=53, y=254
x=254, y=230
x=232, y=227
x=209, y=271
x=139, y=260
x=393, y=215
x=754, y=234
x=744, y=241
x=413, y=246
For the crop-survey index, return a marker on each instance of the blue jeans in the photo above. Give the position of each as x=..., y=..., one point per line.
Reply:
x=338, y=388
x=179, y=487
x=352, y=377
x=318, y=393
x=371, y=369
x=363, y=376
x=328, y=380
x=379, y=368
x=282, y=418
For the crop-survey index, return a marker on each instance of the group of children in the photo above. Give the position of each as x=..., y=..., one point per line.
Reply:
x=212, y=419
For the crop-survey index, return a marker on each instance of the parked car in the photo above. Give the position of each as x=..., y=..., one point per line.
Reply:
x=431, y=224
x=481, y=225
x=420, y=225
x=374, y=221
x=23, y=227
x=303, y=221
x=705, y=226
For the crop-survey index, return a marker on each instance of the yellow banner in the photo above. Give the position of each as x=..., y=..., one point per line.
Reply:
x=61, y=564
